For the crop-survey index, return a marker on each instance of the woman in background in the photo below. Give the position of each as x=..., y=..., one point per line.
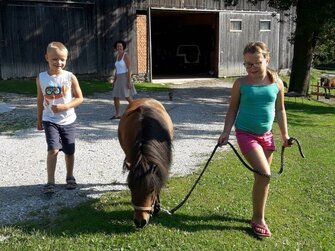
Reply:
x=122, y=85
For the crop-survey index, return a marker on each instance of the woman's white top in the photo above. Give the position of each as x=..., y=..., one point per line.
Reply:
x=121, y=66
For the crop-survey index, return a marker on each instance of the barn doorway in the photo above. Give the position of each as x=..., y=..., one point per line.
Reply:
x=184, y=44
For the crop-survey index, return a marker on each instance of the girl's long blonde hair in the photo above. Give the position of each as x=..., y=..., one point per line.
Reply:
x=261, y=48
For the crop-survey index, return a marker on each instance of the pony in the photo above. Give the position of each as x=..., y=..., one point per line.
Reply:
x=327, y=82
x=145, y=134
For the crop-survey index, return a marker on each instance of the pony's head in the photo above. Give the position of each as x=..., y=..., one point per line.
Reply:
x=145, y=134
x=149, y=170
x=144, y=194
x=146, y=178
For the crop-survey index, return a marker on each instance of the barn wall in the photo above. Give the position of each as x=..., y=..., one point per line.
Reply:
x=202, y=5
x=116, y=20
x=90, y=28
x=232, y=43
x=29, y=27
x=230, y=59
x=287, y=27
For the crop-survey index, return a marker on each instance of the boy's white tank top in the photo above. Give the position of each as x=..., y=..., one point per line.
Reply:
x=57, y=90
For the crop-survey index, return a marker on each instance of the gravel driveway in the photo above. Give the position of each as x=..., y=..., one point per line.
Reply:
x=197, y=111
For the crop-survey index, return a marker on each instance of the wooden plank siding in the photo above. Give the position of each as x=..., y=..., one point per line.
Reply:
x=30, y=27
x=202, y=5
x=232, y=43
x=90, y=28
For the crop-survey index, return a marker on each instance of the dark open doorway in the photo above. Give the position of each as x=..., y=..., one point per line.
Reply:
x=184, y=44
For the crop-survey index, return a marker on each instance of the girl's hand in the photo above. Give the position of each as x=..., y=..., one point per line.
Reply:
x=286, y=142
x=223, y=139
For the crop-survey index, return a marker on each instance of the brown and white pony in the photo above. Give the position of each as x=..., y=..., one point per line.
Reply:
x=145, y=134
x=327, y=82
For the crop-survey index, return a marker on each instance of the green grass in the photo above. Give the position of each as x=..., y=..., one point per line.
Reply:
x=89, y=87
x=28, y=88
x=315, y=75
x=300, y=210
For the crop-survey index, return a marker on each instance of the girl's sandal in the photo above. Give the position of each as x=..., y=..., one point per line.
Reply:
x=260, y=230
x=70, y=183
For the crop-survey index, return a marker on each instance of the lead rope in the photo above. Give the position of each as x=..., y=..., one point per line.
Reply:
x=290, y=142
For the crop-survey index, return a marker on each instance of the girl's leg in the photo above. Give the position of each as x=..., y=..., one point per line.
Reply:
x=261, y=161
x=51, y=165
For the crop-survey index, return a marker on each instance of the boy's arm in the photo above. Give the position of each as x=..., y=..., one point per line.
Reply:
x=77, y=93
x=77, y=97
x=39, y=105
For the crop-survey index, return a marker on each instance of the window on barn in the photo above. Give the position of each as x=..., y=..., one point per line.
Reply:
x=235, y=25
x=265, y=25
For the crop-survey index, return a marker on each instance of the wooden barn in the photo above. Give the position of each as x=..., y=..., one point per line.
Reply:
x=165, y=38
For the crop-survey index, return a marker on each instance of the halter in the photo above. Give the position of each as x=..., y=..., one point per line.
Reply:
x=149, y=210
x=145, y=209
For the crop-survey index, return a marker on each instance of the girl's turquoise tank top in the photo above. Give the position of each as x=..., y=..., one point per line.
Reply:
x=257, y=107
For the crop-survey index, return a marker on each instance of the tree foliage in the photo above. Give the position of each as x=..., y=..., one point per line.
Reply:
x=324, y=54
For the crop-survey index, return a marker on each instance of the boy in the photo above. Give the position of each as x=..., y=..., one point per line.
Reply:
x=58, y=93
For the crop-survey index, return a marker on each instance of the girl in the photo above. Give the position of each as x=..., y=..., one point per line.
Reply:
x=256, y=99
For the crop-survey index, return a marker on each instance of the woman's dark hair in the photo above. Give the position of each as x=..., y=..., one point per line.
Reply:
x=120, y=42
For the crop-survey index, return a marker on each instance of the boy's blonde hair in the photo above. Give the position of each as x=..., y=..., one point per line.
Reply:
x=57, y=46
x=261, y=48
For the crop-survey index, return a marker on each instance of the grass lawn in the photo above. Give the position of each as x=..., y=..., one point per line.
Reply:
x=88, y=87
x=300, y=210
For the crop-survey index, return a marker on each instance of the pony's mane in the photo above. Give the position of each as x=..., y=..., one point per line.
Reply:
x=151, y=154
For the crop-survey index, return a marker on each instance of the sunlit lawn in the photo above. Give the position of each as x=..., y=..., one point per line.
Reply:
x=300, y=210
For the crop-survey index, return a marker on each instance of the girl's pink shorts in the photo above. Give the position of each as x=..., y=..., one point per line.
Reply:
x=248, y=141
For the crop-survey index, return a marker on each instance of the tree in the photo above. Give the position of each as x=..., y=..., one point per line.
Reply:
x=311, y=19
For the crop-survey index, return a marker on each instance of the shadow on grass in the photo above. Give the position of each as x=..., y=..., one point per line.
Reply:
x=92, y=218
x=194, y=223
x=310, y=108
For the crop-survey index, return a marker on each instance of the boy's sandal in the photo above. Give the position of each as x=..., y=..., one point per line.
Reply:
x=70, y=183
x=260, y=229
x=49, y=188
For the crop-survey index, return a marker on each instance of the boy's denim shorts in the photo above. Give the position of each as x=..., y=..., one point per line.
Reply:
x=60, y=137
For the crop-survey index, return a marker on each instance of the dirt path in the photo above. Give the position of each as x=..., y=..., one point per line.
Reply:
x=197, y=111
